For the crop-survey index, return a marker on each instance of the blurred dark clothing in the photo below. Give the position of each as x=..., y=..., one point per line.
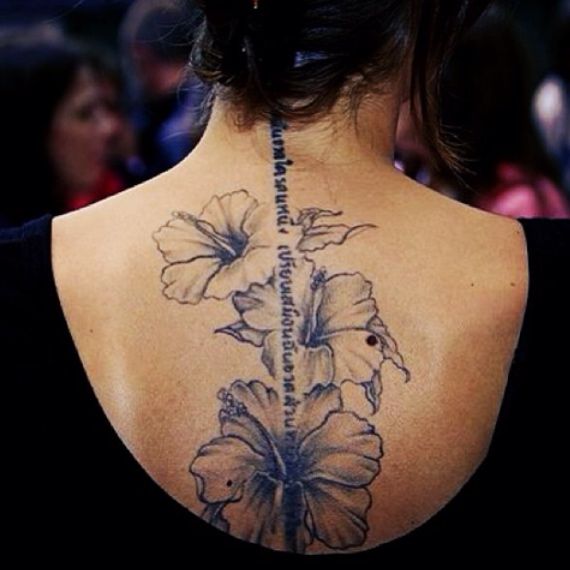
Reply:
x=168, y=128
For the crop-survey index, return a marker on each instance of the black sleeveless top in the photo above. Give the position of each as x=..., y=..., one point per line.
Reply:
x=72, y=484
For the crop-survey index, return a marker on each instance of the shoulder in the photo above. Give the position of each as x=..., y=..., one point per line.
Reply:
x=530, y=259
x=487, y=270
x=492, y=244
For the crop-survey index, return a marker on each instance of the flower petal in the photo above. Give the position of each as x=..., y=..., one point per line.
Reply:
x=262, y=403
x=271, y=354
x=222, y=467
x=187, y=282
x=227, y=213
x=314, y=365
x=310, y=365
x=316, y=406
x=319, y=237
x=354, y=358
x=244, y=333
x=338, y=513
x=258, y=225
x=345, y=449
x=307, y=298
x=346, y=303
x=254, y=266
x=388, y=345
x=181, y=240
x=373, y=390
x=308, y=216
x=260, y=516
x=247, y=428
x=259, y=306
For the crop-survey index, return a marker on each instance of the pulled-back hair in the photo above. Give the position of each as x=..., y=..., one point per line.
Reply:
x=296, y=57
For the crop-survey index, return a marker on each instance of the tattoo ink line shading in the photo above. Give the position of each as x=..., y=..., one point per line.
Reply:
x=292, y=491
x=291, y=464
x=280, y=165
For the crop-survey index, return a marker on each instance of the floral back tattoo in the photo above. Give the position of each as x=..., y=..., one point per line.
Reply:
x=291, y=463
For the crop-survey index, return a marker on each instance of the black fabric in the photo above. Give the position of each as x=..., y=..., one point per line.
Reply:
x=71, y=485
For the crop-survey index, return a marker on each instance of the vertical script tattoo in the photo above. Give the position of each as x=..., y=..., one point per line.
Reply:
x=291, y=463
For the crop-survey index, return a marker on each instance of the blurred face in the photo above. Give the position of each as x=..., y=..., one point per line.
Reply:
x=122, y=143
x=80, y=133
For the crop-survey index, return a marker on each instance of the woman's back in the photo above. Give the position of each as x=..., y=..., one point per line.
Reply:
x=404, y=308
x=306, y=350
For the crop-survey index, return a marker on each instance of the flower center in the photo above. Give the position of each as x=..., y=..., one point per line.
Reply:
x=312, y=331
x=231, y=248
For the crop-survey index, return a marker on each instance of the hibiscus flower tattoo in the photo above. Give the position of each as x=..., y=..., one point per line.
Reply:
x=292, y=464
x=282, y=494
x=222, y=250
x=227, y=247
x=338, y=332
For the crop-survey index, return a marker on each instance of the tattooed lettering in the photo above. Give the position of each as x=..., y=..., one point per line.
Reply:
x=292, y=463
x=280, y=165
x=285, y=272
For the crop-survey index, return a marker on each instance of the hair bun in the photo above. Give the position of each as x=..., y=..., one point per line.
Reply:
x=259, y=17
x=223, y=12
x=249, y=33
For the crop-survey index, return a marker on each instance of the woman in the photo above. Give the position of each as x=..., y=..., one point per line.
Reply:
x=283, y=346
x=510, y=172
x=155, y=38
x=56, y=145
x=551, y=100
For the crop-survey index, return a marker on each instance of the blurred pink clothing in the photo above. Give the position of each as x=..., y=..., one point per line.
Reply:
x=517, y=195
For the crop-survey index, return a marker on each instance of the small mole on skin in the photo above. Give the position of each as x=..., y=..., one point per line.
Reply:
x=90, y=330
x=513, y=284
x=371, y=340
x=230, y=483
x=472, y=284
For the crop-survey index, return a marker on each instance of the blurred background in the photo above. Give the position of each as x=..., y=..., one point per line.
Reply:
x=96, y=96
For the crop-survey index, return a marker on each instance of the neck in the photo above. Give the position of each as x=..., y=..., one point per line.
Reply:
x=335, y=144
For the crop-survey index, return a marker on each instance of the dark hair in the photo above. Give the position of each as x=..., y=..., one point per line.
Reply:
x=487, y=100
x=561, y=41
x=272, y=58
x=37, y=68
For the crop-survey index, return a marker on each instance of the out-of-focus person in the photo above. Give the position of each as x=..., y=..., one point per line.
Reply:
x=122, y=149
x=551, y=102
x=486, y=109
x=156, y=39
x=55, y=127
x=413, y=157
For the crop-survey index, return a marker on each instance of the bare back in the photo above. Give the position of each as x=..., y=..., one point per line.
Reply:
x=315, y=372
